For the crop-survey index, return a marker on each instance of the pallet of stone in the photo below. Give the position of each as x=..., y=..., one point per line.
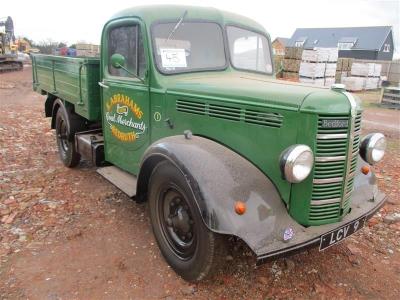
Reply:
x=311, y=69
x=329, y=81
x=366, y=69
x=344, y=64
x=87, y=53
x=325, y=81
x=339, y=75
x=290, y=75
x=377, y=70
x=320, y=55
x=347, y=63
x=339, y=65
x=278, y=62
x=313, y=81
x=291, y=65
x=353, y=83
x=372, y=83
x=293, y=52
x=308, y=69
x=90, y=47
x=330, y=69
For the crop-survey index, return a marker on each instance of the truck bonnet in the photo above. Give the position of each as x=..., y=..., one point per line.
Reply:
x=253, y=89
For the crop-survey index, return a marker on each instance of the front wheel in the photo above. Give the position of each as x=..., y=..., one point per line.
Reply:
x=66, y=127
x=190, y=248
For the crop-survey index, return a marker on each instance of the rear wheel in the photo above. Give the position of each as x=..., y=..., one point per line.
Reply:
x=66, y=127
x=191, y=249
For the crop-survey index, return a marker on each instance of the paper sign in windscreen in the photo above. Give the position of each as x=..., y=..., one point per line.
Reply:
x=173, y=58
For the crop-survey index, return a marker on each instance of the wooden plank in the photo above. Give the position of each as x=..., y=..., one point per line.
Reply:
x=391, y=95
x=123, y=180
x=391, y=101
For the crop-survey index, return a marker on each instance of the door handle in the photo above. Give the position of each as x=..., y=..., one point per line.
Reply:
x=103, y=85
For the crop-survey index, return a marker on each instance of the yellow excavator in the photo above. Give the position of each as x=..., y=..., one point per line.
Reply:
x=8, y=49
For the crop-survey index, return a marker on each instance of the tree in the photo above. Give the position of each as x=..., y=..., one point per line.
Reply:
x=47, y=46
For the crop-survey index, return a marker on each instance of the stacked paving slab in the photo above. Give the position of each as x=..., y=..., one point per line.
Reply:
x=343, y=68
x=318, y=66
x=87, y=50
x=363, y=76
x=291, y=63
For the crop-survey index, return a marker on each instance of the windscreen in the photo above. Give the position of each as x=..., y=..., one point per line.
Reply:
x=249, y=50
x=190, y=46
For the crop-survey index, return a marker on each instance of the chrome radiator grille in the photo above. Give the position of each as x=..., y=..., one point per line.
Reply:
x=330, y=198
x=353, y=163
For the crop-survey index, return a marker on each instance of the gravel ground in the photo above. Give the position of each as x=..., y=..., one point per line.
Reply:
x=69, y=234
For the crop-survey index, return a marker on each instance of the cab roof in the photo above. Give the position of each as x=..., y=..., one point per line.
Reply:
x=152, y=13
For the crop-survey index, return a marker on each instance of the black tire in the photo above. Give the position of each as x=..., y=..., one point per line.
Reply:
x=190, y=248
x=66, y=127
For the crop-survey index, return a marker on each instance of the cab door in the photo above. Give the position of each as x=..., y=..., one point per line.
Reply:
x=125, y=93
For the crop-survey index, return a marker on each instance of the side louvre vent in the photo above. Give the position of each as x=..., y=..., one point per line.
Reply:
x=260, y=118
x=224, y=112
x=263, y=118
x=191, y=107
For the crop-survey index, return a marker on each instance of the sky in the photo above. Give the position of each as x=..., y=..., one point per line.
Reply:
x=74, y=21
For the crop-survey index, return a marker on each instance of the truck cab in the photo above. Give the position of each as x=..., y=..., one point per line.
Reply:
x=178, y=50
x=184, y=108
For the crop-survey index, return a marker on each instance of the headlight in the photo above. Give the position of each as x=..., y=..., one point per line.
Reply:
x=296, y=163
x=372, y=148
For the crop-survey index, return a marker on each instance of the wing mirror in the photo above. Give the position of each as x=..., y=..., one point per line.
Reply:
x=117, y=60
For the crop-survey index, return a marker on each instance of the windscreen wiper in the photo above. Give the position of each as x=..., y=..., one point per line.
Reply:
x=176, y=26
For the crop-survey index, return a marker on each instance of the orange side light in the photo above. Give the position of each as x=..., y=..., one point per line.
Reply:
x=365, y=169
x=240, y=207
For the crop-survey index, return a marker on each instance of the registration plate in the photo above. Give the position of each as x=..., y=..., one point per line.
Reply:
x=341, y=233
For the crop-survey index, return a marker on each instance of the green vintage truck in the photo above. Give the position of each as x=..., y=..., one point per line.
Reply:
x=182, y=110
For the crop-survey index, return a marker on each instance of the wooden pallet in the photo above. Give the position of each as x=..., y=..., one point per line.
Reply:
x=391, y=97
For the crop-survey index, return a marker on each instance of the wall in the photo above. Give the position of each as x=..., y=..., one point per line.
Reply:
x=387, y=55
x=359, y=54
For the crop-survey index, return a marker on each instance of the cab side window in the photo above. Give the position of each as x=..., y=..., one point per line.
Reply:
x=127, y=41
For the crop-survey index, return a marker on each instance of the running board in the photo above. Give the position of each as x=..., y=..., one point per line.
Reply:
x=121, y=179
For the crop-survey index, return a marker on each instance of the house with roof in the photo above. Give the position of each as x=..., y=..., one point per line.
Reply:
x=372, y=43
x=278, y=45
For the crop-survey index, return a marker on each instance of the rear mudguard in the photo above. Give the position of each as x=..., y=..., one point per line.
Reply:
x=218, y=178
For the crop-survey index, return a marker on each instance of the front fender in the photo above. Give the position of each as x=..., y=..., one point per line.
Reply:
x=218, y=178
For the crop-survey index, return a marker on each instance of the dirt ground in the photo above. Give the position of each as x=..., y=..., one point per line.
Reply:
x=69, y=234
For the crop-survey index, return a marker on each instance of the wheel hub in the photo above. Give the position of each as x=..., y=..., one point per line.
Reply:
x=180, y=221
x=62, y=135
x=177, y=224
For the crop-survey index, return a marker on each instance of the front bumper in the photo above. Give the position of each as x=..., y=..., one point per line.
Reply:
x=310, y=237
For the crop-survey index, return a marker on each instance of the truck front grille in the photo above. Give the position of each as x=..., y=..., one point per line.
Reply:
x=331, y=191
x=353, y=164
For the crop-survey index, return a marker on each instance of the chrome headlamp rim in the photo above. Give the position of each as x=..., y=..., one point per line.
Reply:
x=367, y=146
x=288, y=161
